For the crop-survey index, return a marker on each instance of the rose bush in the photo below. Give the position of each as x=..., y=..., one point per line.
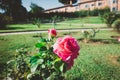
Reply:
x=50, y=62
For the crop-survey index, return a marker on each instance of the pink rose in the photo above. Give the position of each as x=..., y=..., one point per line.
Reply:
x=52, y=33
x=67, y=49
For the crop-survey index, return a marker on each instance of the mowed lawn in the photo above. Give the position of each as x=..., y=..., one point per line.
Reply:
x=87, y=22
x=98, y=59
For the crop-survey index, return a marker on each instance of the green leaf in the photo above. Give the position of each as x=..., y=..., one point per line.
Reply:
x=35, y=64
x=34, y=58
x=42, y=40
x=51, y=77
x=58, y=64
x=29, y=76
x=11, y=61
x=48, y=62
x=35, y=61
x=33, y=67
x=51, y=49
x=58, y=59
x=43, y=66
x=43, y=48
x=62, y=67
x=40, y=61
x=41, y=44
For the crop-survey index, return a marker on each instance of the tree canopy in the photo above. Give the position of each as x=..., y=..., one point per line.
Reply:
x=35, y=8
x=66, y=2
x=13, y=8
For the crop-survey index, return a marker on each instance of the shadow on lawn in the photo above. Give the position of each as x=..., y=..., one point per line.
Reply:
x=104, y=41
x=14, y=28
x=2, y=70
x=11, y=28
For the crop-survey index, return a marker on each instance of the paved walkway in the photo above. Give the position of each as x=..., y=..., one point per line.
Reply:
x=44, y=31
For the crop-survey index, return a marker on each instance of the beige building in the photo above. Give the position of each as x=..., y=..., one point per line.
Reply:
x=114, y=5
x=67, y=8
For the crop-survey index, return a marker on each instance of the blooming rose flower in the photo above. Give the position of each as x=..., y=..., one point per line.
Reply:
x=67, y=49
x=52, y=33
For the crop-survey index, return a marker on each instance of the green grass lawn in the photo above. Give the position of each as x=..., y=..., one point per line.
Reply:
x=99, y=60
x=87, y=22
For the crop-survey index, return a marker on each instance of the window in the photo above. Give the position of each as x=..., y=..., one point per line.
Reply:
x=114, y=9
x=66, y=8
x=77, y=7
x=114, y=1
x=86, y=6
x=99, y=4
x=92, y=4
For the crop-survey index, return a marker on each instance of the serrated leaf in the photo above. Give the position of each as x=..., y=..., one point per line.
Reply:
x=43, y=48
x=51, y=49
x=43, y=66
x=35, y=64
x=51, y=77
x=35, y=61
x=40, y=61
x=57, y=60
x=48, y=62
x=57, y=64
x=34, y=58
x=11, y=61
x=62, y=67
x=33, y=67
x=42, y=40
x=29, y=76
x=41, y=44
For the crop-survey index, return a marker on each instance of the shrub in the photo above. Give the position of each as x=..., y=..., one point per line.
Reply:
x=109, y=18
x=50, y=62
x=103, y=11
x=117, y=25
x=37, y=22
x=95, y=12
x=89, y=34
x=4, y=20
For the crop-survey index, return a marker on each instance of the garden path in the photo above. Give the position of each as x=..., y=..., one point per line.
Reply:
x=44, y=31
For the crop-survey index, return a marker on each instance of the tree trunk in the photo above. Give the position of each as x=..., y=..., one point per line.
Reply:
x=70, y=2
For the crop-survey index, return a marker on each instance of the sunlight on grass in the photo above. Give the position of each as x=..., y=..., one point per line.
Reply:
x=97, y=60
x=87, y=22
x=91, y=20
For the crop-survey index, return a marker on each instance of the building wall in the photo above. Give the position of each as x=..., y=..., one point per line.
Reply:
x=113, y=4
x=84, y=0
x=70, y=9
x=118, y=5
x=90, y=5
x=93, y=5
x=87, y=6
x=56, y=10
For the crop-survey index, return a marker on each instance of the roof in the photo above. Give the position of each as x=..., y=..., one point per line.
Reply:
x=60, y=7
x=72, y=5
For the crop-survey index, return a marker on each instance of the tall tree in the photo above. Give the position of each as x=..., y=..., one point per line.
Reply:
x=13, y=8
x=67, y=2
x=35, y=8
